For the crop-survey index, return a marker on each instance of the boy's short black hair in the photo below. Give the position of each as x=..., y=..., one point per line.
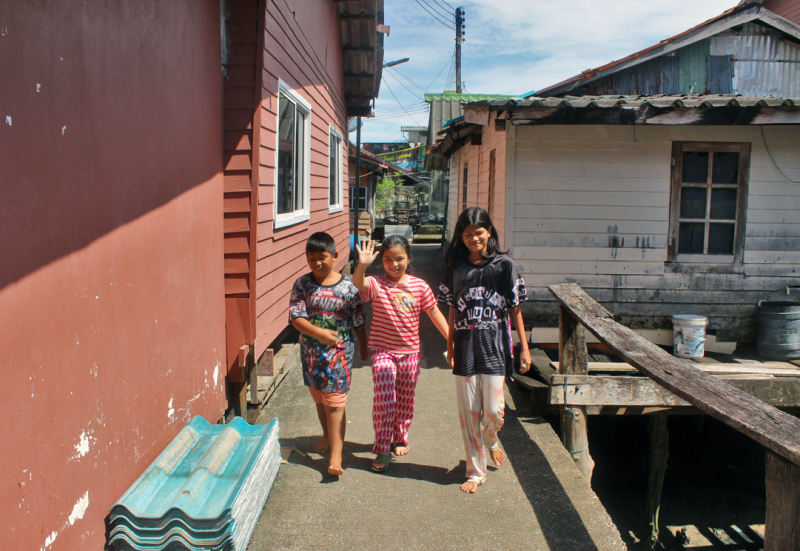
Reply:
x=320, y=242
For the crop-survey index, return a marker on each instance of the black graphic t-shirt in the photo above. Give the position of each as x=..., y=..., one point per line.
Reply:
x=482, y=295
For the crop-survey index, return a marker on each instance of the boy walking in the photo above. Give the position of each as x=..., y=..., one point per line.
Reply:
x=326, y=308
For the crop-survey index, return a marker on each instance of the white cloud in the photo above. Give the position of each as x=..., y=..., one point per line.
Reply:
x=515, y=46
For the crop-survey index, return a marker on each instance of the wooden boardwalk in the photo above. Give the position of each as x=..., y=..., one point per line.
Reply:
x=537, y=500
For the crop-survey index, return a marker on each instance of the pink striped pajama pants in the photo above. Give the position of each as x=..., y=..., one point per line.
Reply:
x=481, y=406
x=395, y=378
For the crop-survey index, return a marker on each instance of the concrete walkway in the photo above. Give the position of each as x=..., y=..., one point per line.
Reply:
x=537, y=500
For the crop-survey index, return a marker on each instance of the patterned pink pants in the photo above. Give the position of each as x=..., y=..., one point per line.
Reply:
x=481, y=406
x=395, y=378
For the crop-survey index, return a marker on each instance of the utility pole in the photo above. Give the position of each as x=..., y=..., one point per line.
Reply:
x=459, y=39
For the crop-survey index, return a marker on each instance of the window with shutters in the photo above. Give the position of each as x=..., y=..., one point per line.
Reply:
x=709, y=201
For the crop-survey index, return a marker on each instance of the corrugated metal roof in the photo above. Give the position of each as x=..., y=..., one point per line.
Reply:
x=455, y=96
x=362, y=52
x=204, y=491
x=734, y=17
x=635, y=101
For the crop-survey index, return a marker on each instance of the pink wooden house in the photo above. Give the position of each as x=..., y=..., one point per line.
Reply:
x=164, y=163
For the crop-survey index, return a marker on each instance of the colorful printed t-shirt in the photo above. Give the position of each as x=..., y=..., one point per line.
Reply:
x=336, y=307
x=482, y=295
x=396, y=308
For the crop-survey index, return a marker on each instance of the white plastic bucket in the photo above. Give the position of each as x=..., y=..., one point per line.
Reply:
x=689, y=336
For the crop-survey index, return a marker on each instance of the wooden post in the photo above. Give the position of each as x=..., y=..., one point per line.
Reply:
x=659, y=451
x=782, y=530
x=573, y=360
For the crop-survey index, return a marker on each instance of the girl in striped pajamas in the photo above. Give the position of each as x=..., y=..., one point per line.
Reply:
x=398, y=299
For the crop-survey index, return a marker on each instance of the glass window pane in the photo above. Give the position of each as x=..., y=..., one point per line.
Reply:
x=695, y=166
x=332, y=183
x=720, y=238
x=286, y=148
x=726, y=168
x=300, y=161
x=693, y=202
x=690, y=238
x=723, y=204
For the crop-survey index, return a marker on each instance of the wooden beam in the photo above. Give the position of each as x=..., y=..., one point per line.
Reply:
x=782, y=527
x=659, y=451
x=573, y=358
x=762, y=422
x=637, y=391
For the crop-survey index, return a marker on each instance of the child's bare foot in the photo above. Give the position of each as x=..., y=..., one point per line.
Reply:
x=497, y=456
x=400, y=449
x=322, y=446
x=335, y=470
x=470, y=487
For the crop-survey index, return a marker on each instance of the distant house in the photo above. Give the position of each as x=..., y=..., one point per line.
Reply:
x=163, y=164
x=657, y=203
x=445, y=107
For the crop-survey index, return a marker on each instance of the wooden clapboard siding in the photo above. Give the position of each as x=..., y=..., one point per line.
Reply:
x=592, y=206
x=302, y=47
x=478, y=158
x=239, y=93
x=788, y=9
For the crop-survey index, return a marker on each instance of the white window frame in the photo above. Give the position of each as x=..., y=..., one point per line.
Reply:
x=338, y=170
x=362, y=197
x=303, y=214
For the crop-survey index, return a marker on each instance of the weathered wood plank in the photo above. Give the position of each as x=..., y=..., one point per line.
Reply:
x=659, y=452
x=634, y=391
x=573, y=358
x=762, y=422
x=782, y=527
x=782, y=369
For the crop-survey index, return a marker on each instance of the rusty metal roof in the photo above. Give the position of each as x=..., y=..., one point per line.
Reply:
x=658, y=101
x=734, y=17
x=362, y=48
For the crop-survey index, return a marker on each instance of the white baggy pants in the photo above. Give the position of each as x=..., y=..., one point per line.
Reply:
x=481, y=405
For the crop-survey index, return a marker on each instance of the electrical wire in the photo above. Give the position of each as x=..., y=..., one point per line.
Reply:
x=398, y=102
x=484, y=75
x=421, y=5
x=773, y=158
x=447, y=64
x=401, y=84
x=445, y=14
x=408, y=79
x=446, y=7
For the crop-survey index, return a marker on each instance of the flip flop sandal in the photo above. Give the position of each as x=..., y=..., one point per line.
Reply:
x=383, y=459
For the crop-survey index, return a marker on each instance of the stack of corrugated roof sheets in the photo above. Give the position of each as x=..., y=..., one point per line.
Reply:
x=205, y=491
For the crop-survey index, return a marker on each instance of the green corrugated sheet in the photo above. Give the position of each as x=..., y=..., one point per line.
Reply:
x=692, y=67
x=454, y=96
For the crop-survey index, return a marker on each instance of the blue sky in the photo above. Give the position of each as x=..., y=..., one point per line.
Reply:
x=512, y=47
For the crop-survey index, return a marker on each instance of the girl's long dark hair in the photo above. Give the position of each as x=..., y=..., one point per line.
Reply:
x=457, y=251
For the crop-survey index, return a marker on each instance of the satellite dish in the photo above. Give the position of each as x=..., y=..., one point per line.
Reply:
x=354, y=124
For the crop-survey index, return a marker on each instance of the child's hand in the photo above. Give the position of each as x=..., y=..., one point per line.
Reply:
x=363, y=352
x=524, y=361
x=329, y=337
x=368, y=254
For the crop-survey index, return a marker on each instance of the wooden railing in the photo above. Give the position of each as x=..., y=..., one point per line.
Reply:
x=779, y=432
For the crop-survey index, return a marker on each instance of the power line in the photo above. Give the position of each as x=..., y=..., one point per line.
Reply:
x=439, y=11
x=398, y=102
x=409, y=80
x=401, y=84
x=447, y=64
x=446, y=7
x=434, y=16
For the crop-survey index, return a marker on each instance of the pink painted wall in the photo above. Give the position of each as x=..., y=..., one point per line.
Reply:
x=477, y=159
x=303, y=48
x=111, y=279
